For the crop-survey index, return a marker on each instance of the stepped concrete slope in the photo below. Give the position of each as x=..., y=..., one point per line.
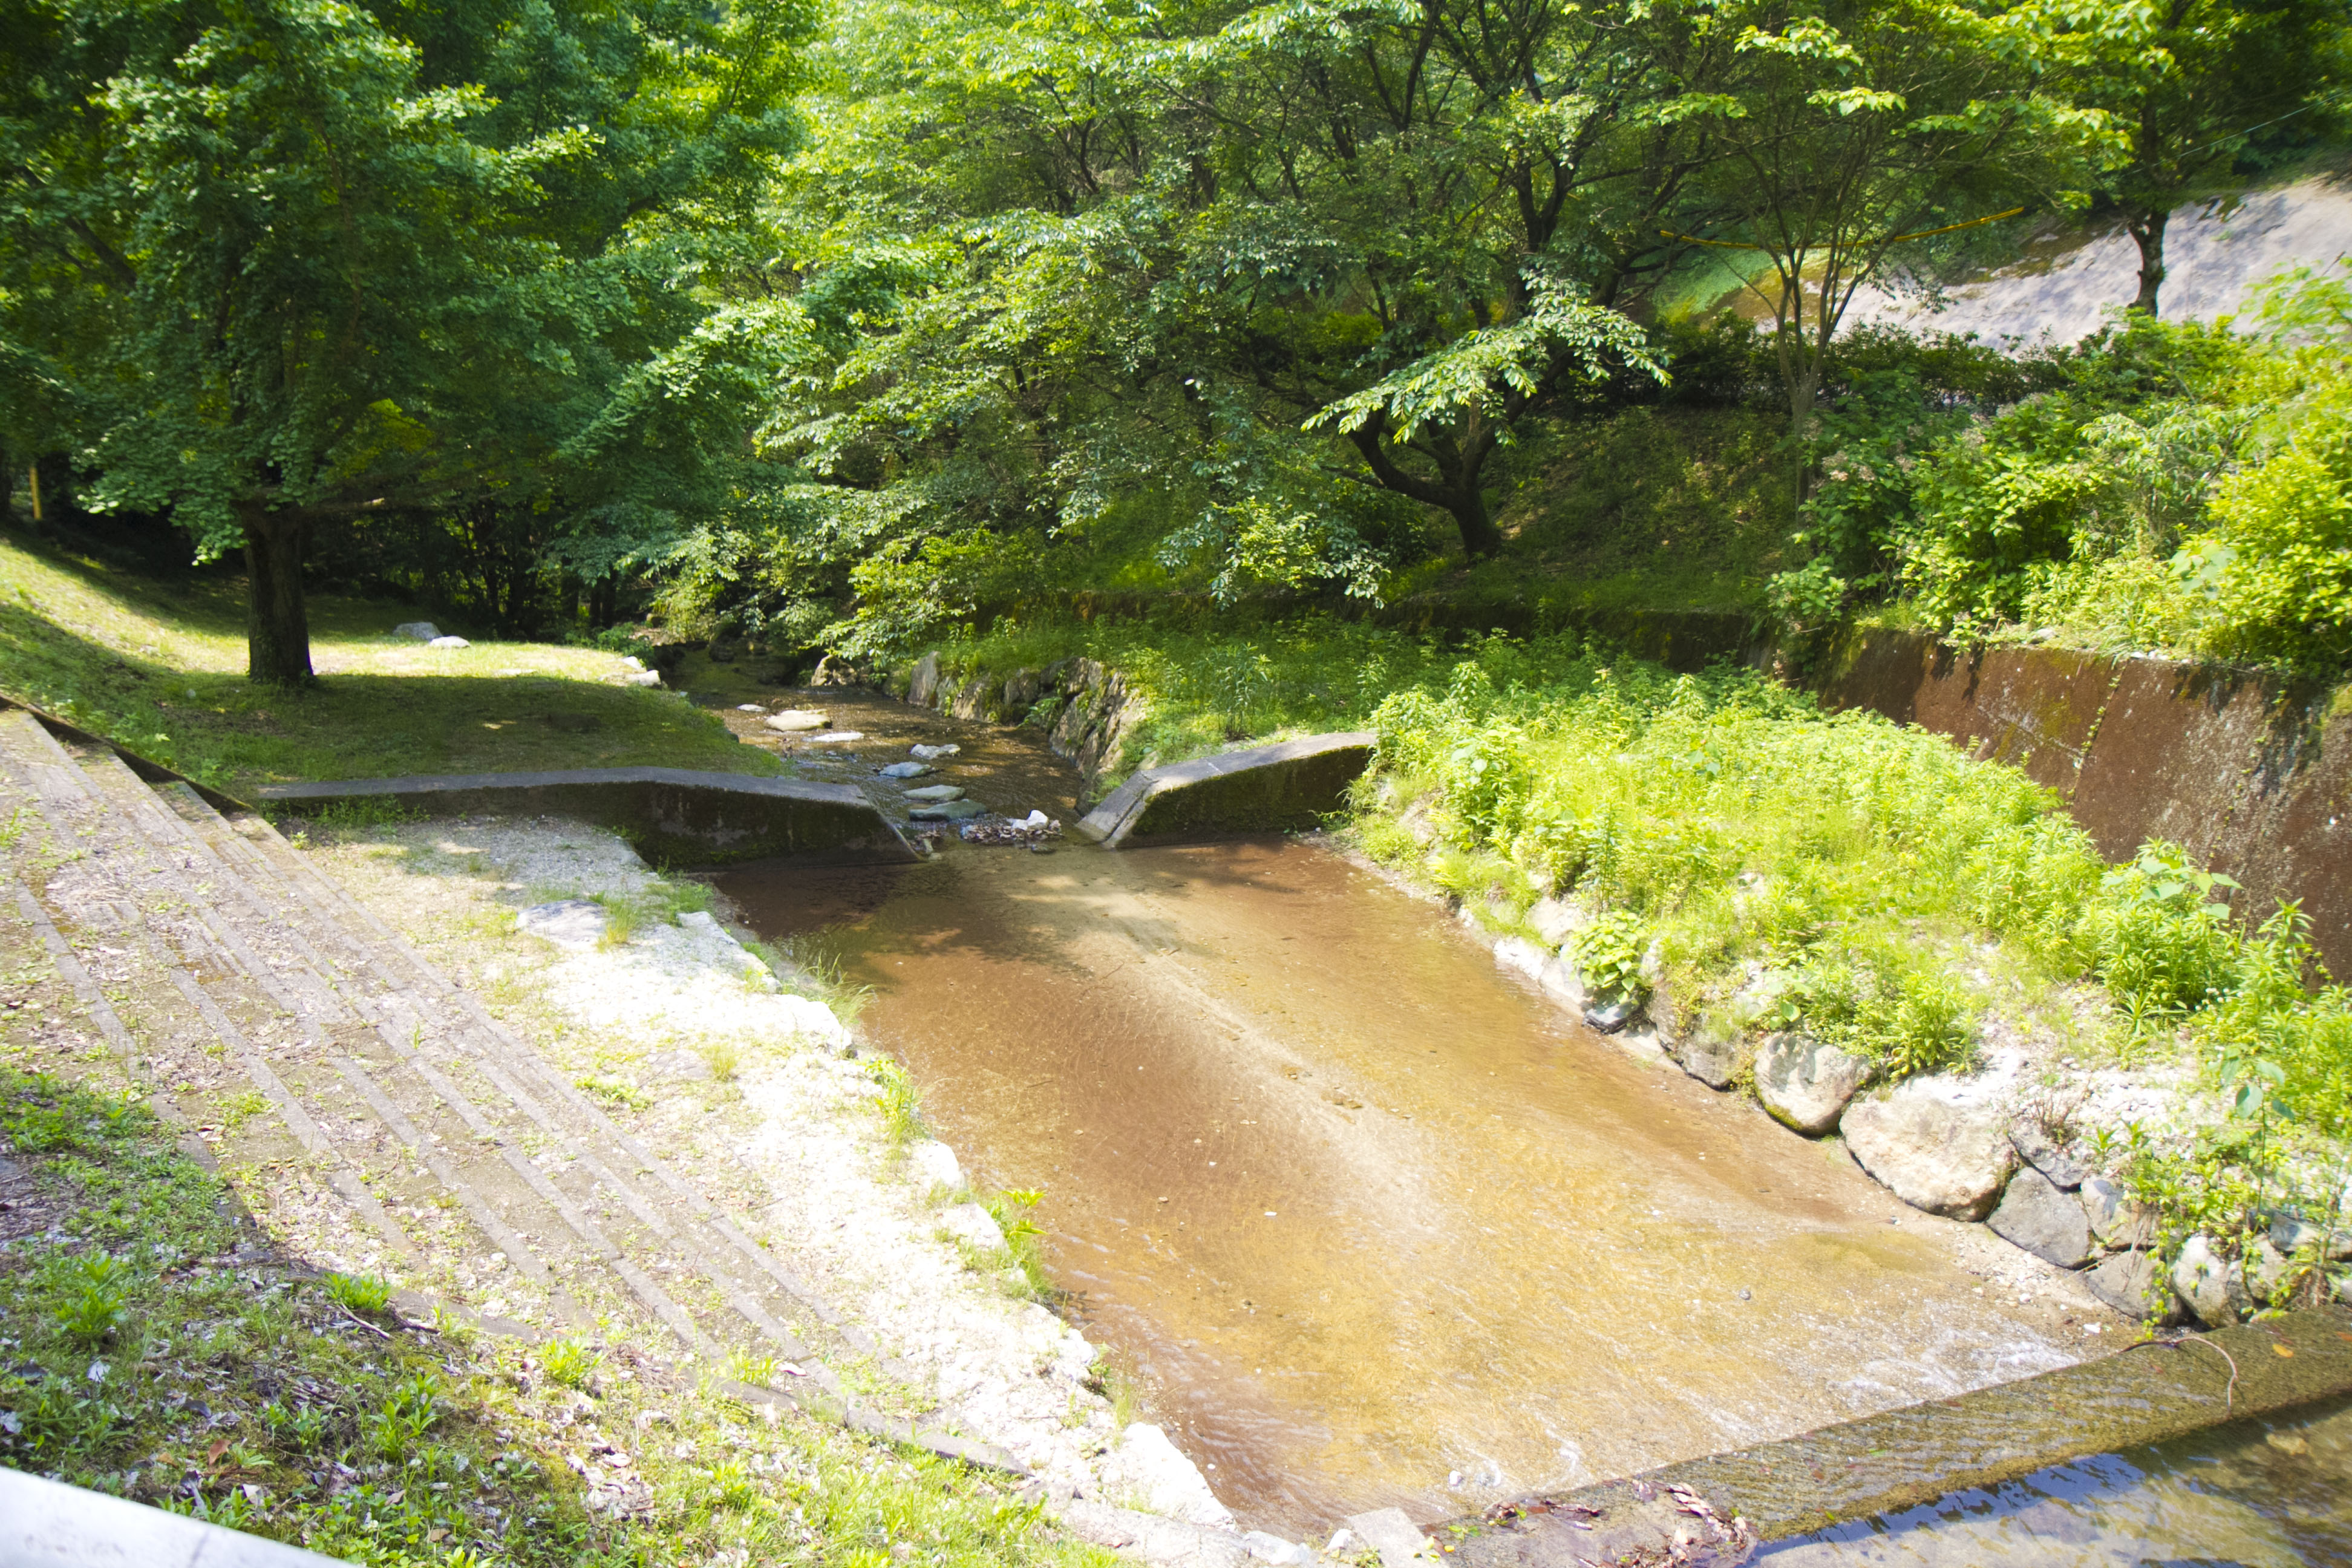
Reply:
x=1290, y=784
x=205, y=951
x=671, y=815
x=47, y=1524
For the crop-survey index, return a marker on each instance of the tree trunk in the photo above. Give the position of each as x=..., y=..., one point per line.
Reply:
x=1480, y=537
x=2147, y=233
x=277, y=621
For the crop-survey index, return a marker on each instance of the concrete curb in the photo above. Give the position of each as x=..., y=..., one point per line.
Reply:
x=673, y=816
x=1289, y=785
x=47, y=1524
x=2148, y=1393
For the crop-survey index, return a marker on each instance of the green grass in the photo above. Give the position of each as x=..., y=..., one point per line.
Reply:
x=160, y=1349
x=161, y=673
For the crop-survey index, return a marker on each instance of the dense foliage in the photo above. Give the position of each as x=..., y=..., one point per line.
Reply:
x=2169, y=487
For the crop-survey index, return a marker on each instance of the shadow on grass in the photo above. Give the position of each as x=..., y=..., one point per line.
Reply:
x=231, y=734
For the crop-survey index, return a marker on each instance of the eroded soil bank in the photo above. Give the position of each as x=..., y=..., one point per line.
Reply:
x=1376, y=1225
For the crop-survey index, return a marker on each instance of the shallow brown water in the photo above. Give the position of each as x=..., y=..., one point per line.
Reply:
x=1365, y=1214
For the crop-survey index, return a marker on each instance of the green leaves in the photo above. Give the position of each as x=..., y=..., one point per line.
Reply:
x=1476, y=372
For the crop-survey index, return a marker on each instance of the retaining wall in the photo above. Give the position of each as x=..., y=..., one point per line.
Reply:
x=2253, y=777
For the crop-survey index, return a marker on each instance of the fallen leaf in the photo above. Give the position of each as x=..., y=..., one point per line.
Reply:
x=2282, y=1350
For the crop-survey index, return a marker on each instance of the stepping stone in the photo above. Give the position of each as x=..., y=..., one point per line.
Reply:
x=832, y=737
x=936, y=792
x=906, y=769
x=933, y=754
x=792, y=721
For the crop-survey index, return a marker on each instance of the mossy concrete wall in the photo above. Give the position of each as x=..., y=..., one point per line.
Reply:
x=670, y=816
x=2147, y=1394
x=1265, y=789
x=2252, y=774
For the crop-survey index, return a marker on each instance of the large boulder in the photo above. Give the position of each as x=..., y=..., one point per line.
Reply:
x=2291, y=1233
x=1711, y=1052
x=2048, y=1223
x=1934, y=1144
x=2117, y=1219
x=2209, y=1284
x=1804, y=1083
x=417, y=631
x=924, y=684
x=2127, y=1283
x=2038, y=1149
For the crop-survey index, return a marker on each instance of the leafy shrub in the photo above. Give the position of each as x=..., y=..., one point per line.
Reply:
x=364, y=1293
x=1608, y=954
x=95, y=1306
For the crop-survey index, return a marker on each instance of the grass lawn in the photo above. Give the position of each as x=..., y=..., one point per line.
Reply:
x=161, y=670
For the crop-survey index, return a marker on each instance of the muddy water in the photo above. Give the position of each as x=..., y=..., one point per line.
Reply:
x=1367, y=1216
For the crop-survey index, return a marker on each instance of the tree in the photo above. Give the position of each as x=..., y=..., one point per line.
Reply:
x=2193, y=88
x=1300, y=259
x=277, y=264
x=1865, y=125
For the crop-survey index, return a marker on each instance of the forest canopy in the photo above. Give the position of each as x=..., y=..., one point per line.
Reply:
x=826, y=326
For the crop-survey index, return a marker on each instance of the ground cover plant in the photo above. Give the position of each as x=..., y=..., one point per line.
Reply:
x=161, y=1347
x=160, y=669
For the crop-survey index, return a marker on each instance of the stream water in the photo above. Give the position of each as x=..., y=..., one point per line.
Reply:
x=1373, y=1224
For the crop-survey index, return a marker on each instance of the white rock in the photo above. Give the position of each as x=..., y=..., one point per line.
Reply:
x=933, y=754
x=1035, y=819
x=574, y=923
x=448, y=642
x=1555, y=919
x=749, y=708
x=906, y=769
x=936, y=792
x=1564, y=982
x=974, y=1223
x=1935, y=1143
x=1804, y=1083
x=1520, y=956
x=931, y=1163
x=1273, y=1548
x=643, y=678
x=1170, y=1483
x=793, y=721
x=698, y=920
x=633, y=662
x=2208, y=1284
x=421, y=631
x=835, y=737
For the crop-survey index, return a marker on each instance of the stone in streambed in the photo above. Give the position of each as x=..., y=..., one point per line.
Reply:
x=948, y=811
x=934, y=793
x=906, y=769
x=2117, y=1219
x=2209, y=1284
x=1273, y=1548
x=836, y=737
x=2126, y=1281
x=1933, y=1143
x=2038, y=1149
x=933, y=754
x=1608, y=1017
x=2035, y=1214
x=1804, y=1083
x=794, y=720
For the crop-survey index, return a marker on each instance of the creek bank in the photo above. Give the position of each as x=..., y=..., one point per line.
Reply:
x=2008, y=1146
x=731, y=1060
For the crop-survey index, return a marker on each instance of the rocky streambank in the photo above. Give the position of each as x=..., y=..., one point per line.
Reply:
x=2034, y=1144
